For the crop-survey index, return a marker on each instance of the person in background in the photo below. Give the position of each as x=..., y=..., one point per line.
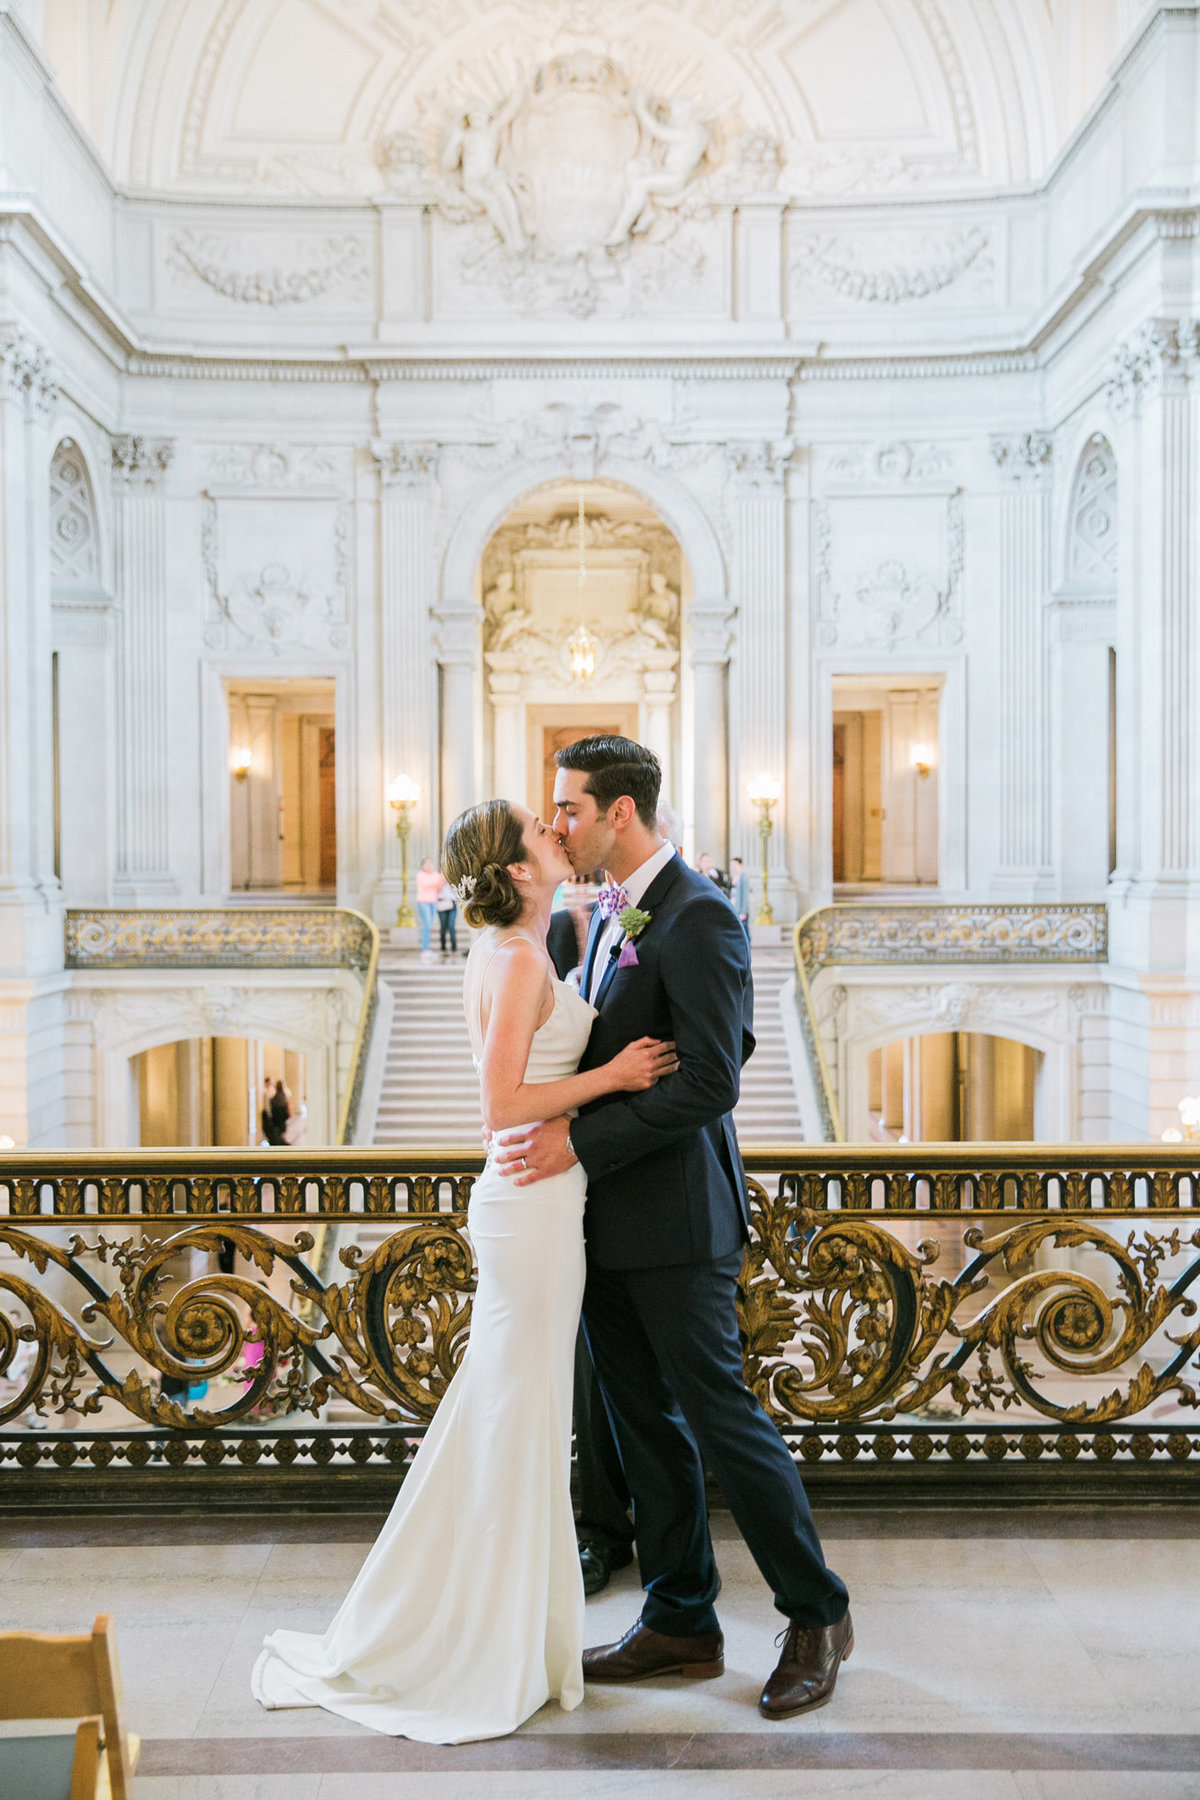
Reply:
x=429, y=886
x=670, y=826
x=739, y=892
x=447, y=912
x=706, y=866
x=276, y=1111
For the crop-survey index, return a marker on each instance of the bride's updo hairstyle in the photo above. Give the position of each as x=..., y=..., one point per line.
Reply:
x=479, y=846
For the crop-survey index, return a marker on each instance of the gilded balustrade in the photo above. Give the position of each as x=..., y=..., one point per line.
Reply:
x=932, y=1304
x=848, y=934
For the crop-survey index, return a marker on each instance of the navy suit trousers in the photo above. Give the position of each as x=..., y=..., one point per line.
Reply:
x=667, y=1351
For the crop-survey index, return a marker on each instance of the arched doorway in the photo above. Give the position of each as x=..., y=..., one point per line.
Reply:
x=954, y=1087
x=590, y=563
x=211, y=1090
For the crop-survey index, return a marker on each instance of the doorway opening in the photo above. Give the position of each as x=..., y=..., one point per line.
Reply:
x=885, y=781
x=212, y=1090
x=283, y=787
x=576, y=560
x=548, y=734
x=951, y=1087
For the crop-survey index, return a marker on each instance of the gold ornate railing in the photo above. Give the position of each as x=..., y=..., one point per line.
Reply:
x=937, y=1304
x=239, y=937
x=914, y=932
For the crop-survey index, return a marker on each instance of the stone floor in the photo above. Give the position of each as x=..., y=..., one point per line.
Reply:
x=1039, y=1655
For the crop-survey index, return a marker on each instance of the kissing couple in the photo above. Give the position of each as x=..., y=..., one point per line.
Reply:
x=628, y=1197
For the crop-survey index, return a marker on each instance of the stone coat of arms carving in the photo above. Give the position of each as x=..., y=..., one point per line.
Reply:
x=571, y=169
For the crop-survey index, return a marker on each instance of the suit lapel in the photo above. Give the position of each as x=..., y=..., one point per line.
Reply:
x=659, y=888
x=595, y=927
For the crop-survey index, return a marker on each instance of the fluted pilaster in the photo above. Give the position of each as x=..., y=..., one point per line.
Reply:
x=407, y=498
x=1153, y=394
x=759, y=675
x=30, y=931
x=457, y=644
x=710, y=642
x=140, y=467
x=1025, y=462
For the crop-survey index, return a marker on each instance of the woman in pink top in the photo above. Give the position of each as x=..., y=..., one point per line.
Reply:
x=429, y=886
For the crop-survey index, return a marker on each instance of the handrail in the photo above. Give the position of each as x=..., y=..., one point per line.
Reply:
x=907, y=932
x=239, y=937
x=963, y=1303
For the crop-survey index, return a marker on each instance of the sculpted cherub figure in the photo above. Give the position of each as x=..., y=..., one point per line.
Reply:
x=684, y=133
x=473, y=147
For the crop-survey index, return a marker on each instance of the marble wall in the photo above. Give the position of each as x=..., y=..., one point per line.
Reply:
x=910, y=381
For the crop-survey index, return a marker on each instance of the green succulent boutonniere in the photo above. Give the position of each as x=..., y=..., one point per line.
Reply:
x=633, y=921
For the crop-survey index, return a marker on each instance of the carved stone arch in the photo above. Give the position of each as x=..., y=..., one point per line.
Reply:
x=490, y=505
x=1091, y=546
x=1054, y=1036
x=75, y=548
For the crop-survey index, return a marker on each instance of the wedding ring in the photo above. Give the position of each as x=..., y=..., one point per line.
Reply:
x=524, y=1164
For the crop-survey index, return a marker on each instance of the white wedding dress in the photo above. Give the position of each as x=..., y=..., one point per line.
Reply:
x=467, y=1615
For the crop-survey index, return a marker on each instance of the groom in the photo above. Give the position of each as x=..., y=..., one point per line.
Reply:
x=666, y=1223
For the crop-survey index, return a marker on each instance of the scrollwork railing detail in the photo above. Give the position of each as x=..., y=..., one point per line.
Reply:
x=880, y=1296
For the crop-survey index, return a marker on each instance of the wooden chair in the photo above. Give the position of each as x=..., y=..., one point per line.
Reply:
x=49, y=1677
x=54, y=1768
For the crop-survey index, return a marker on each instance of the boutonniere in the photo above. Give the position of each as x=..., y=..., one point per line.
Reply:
x=633, y=921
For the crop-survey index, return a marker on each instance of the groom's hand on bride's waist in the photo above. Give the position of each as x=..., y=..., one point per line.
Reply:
x=533, y=1152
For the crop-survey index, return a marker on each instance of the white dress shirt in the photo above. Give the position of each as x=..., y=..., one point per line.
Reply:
x=635, y=886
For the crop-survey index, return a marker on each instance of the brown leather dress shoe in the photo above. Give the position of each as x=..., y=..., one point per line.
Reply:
x=642, y=1653
x=807, y=1671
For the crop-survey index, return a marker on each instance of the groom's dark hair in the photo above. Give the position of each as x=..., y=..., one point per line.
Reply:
x=615, y=766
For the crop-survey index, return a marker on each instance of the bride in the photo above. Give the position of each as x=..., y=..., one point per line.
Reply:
x=467, y=1614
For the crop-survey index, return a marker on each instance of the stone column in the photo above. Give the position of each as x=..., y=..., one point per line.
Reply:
x=30, y=921
x=407, y=502
x=1023, y=865
x=140, y=468
x=510, y=773
x=33, y=1106
x=759, y=673
x=457, y=646
x=659, y=682
x=1154, y=393
x=710, y=639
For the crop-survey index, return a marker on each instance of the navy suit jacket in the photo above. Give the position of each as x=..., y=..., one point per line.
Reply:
x=665, y=1178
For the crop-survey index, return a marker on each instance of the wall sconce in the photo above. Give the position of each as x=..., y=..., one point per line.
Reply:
x=1189, y=1115
x=922, y=760
x=241, y=762
x=402, y=795
x=6, y=1142
x=764, y=792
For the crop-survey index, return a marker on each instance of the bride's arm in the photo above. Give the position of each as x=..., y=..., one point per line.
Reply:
x=514, y=994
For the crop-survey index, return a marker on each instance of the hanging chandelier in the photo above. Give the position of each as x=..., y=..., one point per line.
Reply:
x=581, y=645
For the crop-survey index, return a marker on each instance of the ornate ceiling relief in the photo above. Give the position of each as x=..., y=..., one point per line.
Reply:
x=887, y=267
x=305, y=269
x=275, y=546
x=554, y=183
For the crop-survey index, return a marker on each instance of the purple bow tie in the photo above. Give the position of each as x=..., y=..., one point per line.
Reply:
x=612, y=900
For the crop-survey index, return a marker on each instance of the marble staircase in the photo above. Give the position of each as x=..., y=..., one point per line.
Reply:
x=429, y=1098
